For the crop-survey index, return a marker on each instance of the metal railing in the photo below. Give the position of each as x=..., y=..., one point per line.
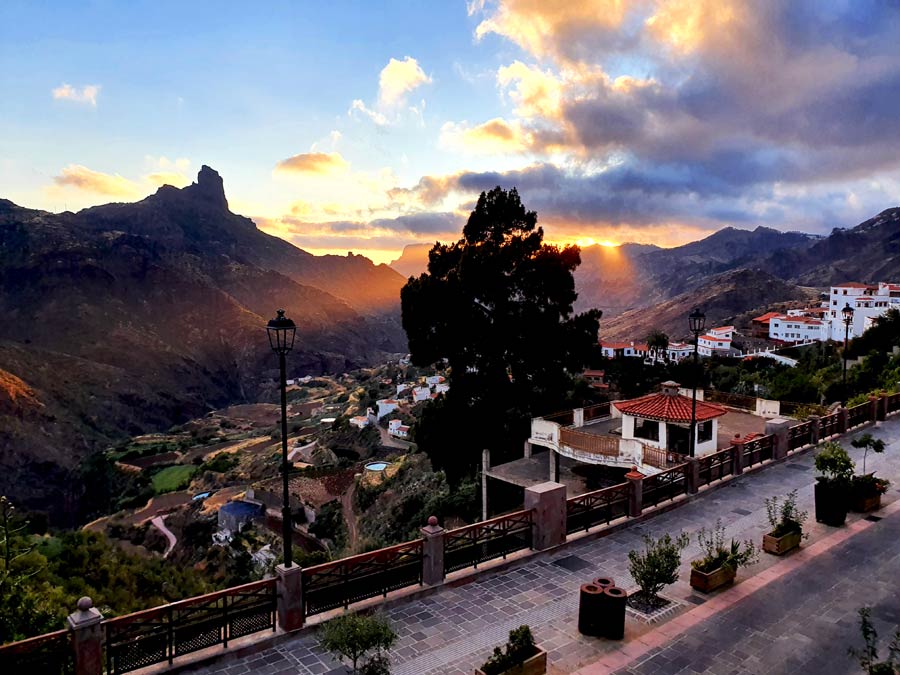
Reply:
x=829, y=425
x=49, y=654
x=800, y=435
x=660, y=458
x=734, y=400
x=716, y=466
x=596, y=412
x=496, y=538
x=858, y=414
x=563, y=418
x=156, y=635
x=759, y=450
x=665, y=485
x=592, y=443
x=599, y=506
x=342, y=582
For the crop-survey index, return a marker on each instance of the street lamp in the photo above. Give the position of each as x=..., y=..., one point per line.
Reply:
x=697, y=322
x=281, y=332
x=847, y=313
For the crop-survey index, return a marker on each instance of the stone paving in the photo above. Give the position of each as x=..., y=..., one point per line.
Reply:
x=802, y=622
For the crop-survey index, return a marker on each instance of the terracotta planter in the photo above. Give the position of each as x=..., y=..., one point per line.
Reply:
x=536, y=665
x=831, y=504
x=781, y=545
x=866, y=503
x=708, y=582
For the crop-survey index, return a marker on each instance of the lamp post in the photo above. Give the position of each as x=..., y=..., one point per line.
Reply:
x=281, y=332
x=847, y=314
x=697, y=322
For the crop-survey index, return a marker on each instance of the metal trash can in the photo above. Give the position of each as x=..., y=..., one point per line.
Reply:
x=604, y=582
x=589, y=612
x=612, y=613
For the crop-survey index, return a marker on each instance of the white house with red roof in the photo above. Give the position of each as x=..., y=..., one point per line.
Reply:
x=795, y=329
x=612, y=350
x=868, y=302
x=716, y=341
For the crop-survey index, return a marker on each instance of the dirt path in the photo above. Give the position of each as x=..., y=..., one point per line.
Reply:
x=350, y=517
x=160, y=524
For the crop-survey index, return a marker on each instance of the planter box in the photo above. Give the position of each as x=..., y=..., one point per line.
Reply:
x=831, y=504
x=536, y=665
x=866, y=503
x=708, y=582
x=781, y=545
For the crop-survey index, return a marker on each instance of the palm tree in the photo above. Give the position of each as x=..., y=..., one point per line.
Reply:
x=658, y=343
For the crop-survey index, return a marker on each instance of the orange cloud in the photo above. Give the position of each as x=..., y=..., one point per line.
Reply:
x=399, y=78
x=313, y=162
x=491, y=137
x=686, y=25
x=83, y=178
x=86, y=94
x=168, y=178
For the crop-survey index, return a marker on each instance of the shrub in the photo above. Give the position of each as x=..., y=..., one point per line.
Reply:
x=658, y=565
x=785, y=518
x=868, y=485
x=834, y=464
x=354, y=636
x=716, y=554
x=868, y=442
x=518, y=649
x=868, y=657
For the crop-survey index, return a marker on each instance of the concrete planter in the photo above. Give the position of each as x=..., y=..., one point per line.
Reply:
x=781, y=545
x=866, y=503
x=708, y=582
x=831, y=504
x=536, y=665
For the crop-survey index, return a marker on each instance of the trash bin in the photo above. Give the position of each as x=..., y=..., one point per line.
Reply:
x=604, y=582
x=589, y=609
x=612, y=613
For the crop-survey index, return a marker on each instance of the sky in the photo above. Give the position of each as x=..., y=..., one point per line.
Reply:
x=365, y=126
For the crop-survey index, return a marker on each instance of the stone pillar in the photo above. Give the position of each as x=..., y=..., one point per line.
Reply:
x=556, y=458
x=636, y=494
x=737, y=456
x=87, y=638
x=578, y=417
x=548, y=500
x=527, y=449
x=289, y=587
x=433, y=552
x=875, y=403
x=551, y=466
x=882, y=407
x=843, y=420
x=485, y=467
x=779, y=428
x=693, y=475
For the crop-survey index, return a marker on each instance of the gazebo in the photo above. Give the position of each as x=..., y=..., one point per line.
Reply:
x=663, y=420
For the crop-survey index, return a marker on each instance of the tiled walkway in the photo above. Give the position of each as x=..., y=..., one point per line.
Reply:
x=799, y=621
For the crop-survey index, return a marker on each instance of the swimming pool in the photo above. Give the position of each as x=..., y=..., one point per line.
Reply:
x=377, y=466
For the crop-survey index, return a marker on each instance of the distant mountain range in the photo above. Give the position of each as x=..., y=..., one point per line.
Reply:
x=126, y=318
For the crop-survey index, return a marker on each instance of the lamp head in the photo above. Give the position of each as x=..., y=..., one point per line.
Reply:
x=697, y=321
x=281, y=332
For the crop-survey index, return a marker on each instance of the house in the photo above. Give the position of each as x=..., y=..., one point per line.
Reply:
x=716, y=342
x=432, y=380
x=397, y=429
x=793, y=329
x=403, y=387
x=760, y=325
x=612, y=350
x=595, y=378
x=677, y=351
x=868, y=302
x=421, y=394
x=663, y=420
x=441, y=388
x=386, y=405
x=360, y=421
x=308, y=408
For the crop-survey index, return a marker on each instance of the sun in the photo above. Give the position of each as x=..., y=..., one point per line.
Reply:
x=590, y=241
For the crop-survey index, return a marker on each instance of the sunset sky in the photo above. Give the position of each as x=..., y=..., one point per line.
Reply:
x=369, y=125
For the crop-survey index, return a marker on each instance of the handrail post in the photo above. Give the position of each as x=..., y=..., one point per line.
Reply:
x=636, y=493
x=87, y=638
x=692, y=475
x=289, y=586
x=737, y=456
x=815, y=430
x=432, y=553
x=547, y=502
x=781, y=430
x=843, y=420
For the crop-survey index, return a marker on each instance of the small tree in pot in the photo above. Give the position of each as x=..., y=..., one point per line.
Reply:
x=865, y=488
x=654, y=568
x=786, y=521
x=833, y=486
x=521, y=656
x=354, y=637
x=720, y=562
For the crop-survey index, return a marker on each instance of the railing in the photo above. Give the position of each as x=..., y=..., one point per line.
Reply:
x=564, y=418
x=858, y=414
x=593, y=508
x=660, y=458
x=49, y=654
x=893, y=403
x=342, y=582
x=759, y=450
x=592, y=443
x=595, y=412
x=467, y=546
x=665, y=485
x=800, y=435
x=733, y=400
x=163, y=633
x=716, y=466
x=829, y=425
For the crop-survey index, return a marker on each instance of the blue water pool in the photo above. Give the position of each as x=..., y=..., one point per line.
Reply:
x=377, y=466
x=241, y=509
x=202, y=495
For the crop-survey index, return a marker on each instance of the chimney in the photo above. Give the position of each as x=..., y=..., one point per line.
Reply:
x=669, y=388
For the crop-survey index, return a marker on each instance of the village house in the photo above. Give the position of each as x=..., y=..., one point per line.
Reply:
x=386, y=406
x=360, y=421
x=421, y=394
x=595, y=379
x=794, y=329
x=677, y=351
x=397, y=429
x=717, y=341
x=613, y=350
x=868, y=301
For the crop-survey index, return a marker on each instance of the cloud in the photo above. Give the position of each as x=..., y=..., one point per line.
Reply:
x=82, y=178
x=313, y=163
x=86, y=94
x=492, y=137
x=397, y=79
x=378, y=118
x=160, y=178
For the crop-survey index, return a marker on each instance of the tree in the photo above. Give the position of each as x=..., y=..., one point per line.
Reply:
x=868, y=442
x=497, y=304
x=353, y=636
x=657, y=344
x=657, y=566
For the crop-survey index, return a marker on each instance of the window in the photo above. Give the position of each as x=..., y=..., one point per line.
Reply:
x=845, y=291
x=647, y=429
x=704, y=431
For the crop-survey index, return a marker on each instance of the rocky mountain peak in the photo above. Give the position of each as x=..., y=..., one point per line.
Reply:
x=209, y=188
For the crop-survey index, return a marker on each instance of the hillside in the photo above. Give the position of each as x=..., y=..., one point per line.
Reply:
x=128, y=318
x=413, y=260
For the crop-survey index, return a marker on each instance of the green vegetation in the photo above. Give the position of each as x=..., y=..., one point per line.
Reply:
x=834, y=464
x=513, y=296
x=330, y=525
x=221, y=463
x=868, y=656
x=784, y=516
x=716, y=554
x=354, y=637
x=517, y=650
x=868, y=442
x=657, y=566
x=173, y=478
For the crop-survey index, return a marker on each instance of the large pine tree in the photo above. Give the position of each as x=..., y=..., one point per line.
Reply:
x=497, y=304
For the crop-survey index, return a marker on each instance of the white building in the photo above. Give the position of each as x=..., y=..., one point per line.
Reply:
x=397, y=429
x=867, y=300
x=441, y=388
x=716, y=341
x=798, y=329
x=612, y=350
x=432, y=380
x=386, y=406
x=676, y=351
x=360, y=421
x=421, y=394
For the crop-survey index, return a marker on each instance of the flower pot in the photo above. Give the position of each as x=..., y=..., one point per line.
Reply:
x=783, y=544
x=866, y=502
x=535, y=665
x=831, y=504
x=707, y=582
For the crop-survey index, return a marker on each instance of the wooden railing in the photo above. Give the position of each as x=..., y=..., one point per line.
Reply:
x=716, y=466
x=893, y=403
x=592, y=443
x=665, y=485
x=342, y=582
x=800, y=435
x=600, y=506
x=160, y=634
x=829, y=425
x=858, y=414
x=563, y=418
x=660, y=458
x=49, y=654
x=759, y=450
x=496, y=538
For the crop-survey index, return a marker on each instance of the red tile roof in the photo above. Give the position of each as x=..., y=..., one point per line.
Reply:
x=668, y=408
x=766, y=317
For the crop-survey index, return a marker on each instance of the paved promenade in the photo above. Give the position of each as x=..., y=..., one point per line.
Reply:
x=784, y=615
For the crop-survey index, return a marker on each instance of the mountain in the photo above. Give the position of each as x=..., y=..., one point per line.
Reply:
x=413, y=260
x=127, y=318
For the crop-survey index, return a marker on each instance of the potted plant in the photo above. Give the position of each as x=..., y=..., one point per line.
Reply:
x=719, y=564
x=786, y=522
x=654, y=568
x=865, y=488
x=354, y=637
x=833, y=486
x=521, y=656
